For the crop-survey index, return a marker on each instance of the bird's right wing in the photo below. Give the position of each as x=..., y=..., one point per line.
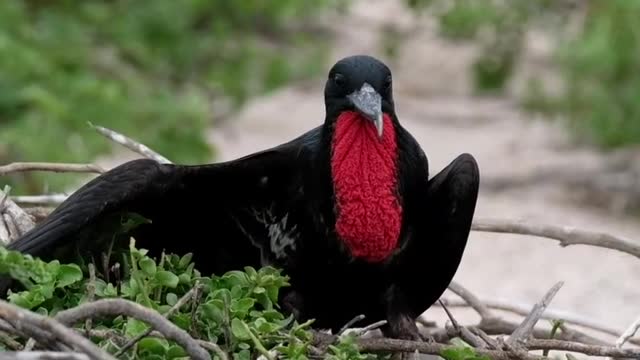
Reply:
x=171, y=194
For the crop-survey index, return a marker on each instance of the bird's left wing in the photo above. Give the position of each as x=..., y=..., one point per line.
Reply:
x=442, y=212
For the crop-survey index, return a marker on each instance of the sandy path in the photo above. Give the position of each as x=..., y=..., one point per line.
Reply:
x=434, y=104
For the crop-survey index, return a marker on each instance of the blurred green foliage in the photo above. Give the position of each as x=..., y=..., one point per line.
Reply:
x=148, y=69
x=597, y=64
x=600, y=66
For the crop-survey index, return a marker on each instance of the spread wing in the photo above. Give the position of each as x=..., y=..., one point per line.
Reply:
x=222, y=212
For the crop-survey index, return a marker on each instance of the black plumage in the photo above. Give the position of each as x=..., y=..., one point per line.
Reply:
x=278, y=207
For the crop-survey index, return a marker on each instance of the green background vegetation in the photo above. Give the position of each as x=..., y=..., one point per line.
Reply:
x=598, y=64
x=163, y=70
x=154, y=70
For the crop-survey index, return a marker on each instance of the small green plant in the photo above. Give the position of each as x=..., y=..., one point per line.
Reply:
x=238, y=310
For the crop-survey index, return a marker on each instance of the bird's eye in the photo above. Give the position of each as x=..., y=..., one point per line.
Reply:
x=387, y=82
x=339, y=80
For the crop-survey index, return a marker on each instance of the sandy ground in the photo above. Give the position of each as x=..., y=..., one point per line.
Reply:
x=434, y=103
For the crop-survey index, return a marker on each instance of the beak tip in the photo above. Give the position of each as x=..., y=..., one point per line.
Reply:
x=379, y=126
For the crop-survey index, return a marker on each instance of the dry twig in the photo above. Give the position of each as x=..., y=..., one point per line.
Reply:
x=471, y=300
x=43, y=355
x=51, y=167
x=130, y=144
x=115, y=307
x=17, y=216
x=593, y=350
x=180, y=303
x=629, y=333
x=25, y=321
x=52, y=199
x=38, y=213
x=550, y=314
x=465, y=333
x=91, y=293
x=494, y=325
x=346, y=326
x=407, y=346
x=215, y=348
x=522, y=333
x=566, y=235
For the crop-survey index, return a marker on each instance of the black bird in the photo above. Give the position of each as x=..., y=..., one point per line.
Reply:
x=347, y=210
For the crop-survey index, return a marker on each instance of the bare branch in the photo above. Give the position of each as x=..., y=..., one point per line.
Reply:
x=522, y=333
x=25, y=320
x=566, y=235
x=9, y=341
x=43, y=355
x=494, y=325
x=91, y=294
x=38, y=213
x=52, y=199
x=350, y=323
x=180, y=303
x=21, y=219
x=406, y=346
x=215, y=348
x=51, y=167
x=470, y=299
x=504, y=327
x=409, y=346
x=115, y=307
x=130, y=144
x=629, y=333
x=594, y=350
x=4, y=197
x=550, y=314
x=465, y=333
x=5, y=237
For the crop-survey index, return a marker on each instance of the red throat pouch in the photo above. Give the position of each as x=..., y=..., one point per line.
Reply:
x=364, y=170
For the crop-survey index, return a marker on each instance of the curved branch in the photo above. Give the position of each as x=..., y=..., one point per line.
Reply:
x=24, y=320
x=115, y=307
x=566, y=235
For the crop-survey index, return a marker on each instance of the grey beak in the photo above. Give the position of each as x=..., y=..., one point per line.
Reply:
x=369, y=103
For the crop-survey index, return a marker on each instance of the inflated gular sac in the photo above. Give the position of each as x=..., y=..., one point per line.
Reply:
x=364, y=171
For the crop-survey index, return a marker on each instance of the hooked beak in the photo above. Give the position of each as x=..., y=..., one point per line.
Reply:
x=369, y=103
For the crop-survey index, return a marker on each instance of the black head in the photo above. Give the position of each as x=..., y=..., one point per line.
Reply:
x=359, y=83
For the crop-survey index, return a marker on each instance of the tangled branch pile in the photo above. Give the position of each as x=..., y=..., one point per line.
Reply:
x=146, y=308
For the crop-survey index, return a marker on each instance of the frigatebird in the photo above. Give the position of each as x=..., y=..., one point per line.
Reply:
x=346, y=210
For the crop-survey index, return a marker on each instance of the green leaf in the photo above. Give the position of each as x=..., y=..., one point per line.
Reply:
x=184, y=278
x=236, y=278
x=213, y=310
x=175, y=351
x=242, y=306
x=68, y=274
x=152, y=345
x=166, y=278
x=240, y=330
x=172, y=299
x=148, y=266
x=251, y=272
x=135, y=327
x=185, y=260
x=243, y=355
